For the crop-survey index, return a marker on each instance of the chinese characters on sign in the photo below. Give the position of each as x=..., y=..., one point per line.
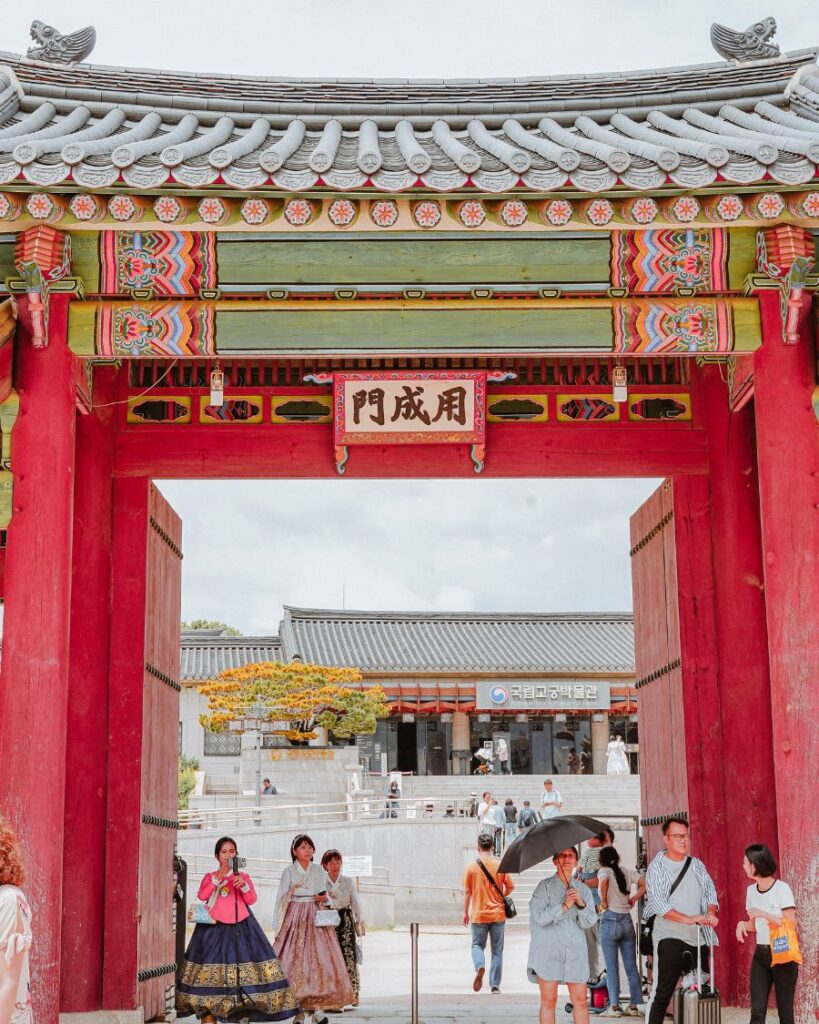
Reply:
x=553, y=694
x=410, y=407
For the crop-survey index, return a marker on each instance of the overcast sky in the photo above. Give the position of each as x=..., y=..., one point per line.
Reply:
x=447, y=545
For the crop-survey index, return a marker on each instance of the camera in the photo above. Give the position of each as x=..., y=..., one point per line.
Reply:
x=237, y=864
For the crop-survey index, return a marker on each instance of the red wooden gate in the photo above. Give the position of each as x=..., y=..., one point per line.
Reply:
x=160, y=746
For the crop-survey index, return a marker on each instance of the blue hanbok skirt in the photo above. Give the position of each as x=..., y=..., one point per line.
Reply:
x=206, y=982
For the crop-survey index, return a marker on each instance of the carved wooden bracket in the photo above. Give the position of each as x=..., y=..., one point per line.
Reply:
x=42, y=256
x=785, y=255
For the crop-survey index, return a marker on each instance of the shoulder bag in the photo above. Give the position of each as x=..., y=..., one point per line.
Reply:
x=199, y=910
x=509, y=908
x=647, y=927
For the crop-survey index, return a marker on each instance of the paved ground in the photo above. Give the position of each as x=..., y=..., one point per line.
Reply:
x=446, y=974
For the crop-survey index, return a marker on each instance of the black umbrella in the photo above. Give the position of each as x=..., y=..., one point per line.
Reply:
x=546, y=838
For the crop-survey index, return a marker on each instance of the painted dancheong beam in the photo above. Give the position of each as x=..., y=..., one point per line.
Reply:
x=184, y=329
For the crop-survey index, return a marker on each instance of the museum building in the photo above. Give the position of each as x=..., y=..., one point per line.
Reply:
x=553, y=686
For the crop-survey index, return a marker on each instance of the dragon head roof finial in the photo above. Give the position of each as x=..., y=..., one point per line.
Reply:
x=55, y=48
x=752, y=44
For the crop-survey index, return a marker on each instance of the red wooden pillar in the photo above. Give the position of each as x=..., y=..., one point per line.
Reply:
x=742, y=649
x=34, y=680
x=786, y=436
x=127, y=672
x=87, y=749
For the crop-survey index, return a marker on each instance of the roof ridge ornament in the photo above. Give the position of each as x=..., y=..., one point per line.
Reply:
x=742, y=47
x=55, y=48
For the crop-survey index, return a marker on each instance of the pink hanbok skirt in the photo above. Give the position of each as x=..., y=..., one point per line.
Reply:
x=312, y=960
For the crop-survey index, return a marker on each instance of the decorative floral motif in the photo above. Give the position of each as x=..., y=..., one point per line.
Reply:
x=384, y=213
x=729, y=208
x=427, y=213
x=166, y=262
x=342, y=212
x=5, y=206
x=558, y=212
x=298, y=212
x=177, y=329
x=770, y=205
x=662, y=259
x=122, y=207
x=167, y=209
x=643, y=210
x=255, y=211
x=40, y=206
x=84, y=207
x=685, y=209
x=212, y=210
x=514, y=212
x=810, y=204
x=600, y=212
x=656, y=327
x=472, y=213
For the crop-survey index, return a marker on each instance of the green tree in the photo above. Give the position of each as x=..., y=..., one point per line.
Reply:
x=188, y=767
x=211, y=624
x=298, y=697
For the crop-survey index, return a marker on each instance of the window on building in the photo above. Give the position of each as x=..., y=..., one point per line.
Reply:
x=223, y=744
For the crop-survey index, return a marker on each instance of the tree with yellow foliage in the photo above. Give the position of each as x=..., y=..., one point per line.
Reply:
x=295, y=698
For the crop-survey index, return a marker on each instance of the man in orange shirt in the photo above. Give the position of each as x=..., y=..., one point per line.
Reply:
x=483, y=908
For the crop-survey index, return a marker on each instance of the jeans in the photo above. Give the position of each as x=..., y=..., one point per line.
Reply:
x=672, y=959
x=617, y=936
x=511, y=831
x=494, y=931
x=763, y=975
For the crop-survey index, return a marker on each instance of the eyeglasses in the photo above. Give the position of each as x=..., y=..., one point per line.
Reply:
x=679, y=835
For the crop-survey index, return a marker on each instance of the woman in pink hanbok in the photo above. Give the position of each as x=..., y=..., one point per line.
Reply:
x=15, y=933
x=306, y=940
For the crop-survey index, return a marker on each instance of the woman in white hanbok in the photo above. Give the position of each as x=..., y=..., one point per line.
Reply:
x=616, y=757
x=15, y=933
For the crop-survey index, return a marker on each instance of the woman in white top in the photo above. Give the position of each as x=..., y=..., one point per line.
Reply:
x=309, y=952
x=616, y=759
x=767, y=902
x=617, y=936
x=344, y=899
x=15, y=933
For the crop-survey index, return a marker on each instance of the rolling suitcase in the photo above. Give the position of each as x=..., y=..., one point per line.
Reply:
x=702, y=1005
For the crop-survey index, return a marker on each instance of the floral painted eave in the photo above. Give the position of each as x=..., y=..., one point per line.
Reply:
x=90, y=128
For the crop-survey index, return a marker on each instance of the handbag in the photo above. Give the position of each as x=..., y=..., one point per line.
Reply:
x=647, y=927
x=199, y=910
x=784, y=943
x=327, y=919
x=509, y=908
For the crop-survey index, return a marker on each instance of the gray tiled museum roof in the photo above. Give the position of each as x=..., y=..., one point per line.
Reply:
x=97, y=126
x=460, y=642
x=204, y=653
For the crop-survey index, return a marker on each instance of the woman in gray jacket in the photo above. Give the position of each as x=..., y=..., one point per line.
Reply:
x=559, y=911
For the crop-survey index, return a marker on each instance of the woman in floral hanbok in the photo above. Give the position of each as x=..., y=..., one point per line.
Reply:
x=15, y=933
x=344, y=899
x=308, y=948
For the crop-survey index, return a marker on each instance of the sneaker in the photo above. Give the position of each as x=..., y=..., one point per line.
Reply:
x=319, y=1017
x=495, y=990
x=630, y=1011
x=477, y=984
x=612, y=1011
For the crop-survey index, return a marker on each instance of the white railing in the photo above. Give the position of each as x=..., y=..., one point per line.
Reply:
x=363, y=807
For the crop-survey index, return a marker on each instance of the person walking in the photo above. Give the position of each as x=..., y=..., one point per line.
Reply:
x=587, y=872
x=526, y=818
x=617, y=936
x=483, y=807
x=511, y=816
x=15, y=932
x=308, y=945
x=559, y=911
x=616, y=759
x=503, y=757
x=344, y=899
x=551, y=802
x=393, y=799
x=681, y=898
x=206, y=983
x=769, y=901
x=484, y=888
x=499, y=819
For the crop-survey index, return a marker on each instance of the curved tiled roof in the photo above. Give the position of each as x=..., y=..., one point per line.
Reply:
x=100, y=126
x=460, y=641
x=204, y=653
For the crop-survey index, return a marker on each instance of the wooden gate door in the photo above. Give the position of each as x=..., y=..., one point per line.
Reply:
x=160, y=748
x=681, y=756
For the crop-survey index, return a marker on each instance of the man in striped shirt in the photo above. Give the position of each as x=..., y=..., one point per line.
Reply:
x=679, y=916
